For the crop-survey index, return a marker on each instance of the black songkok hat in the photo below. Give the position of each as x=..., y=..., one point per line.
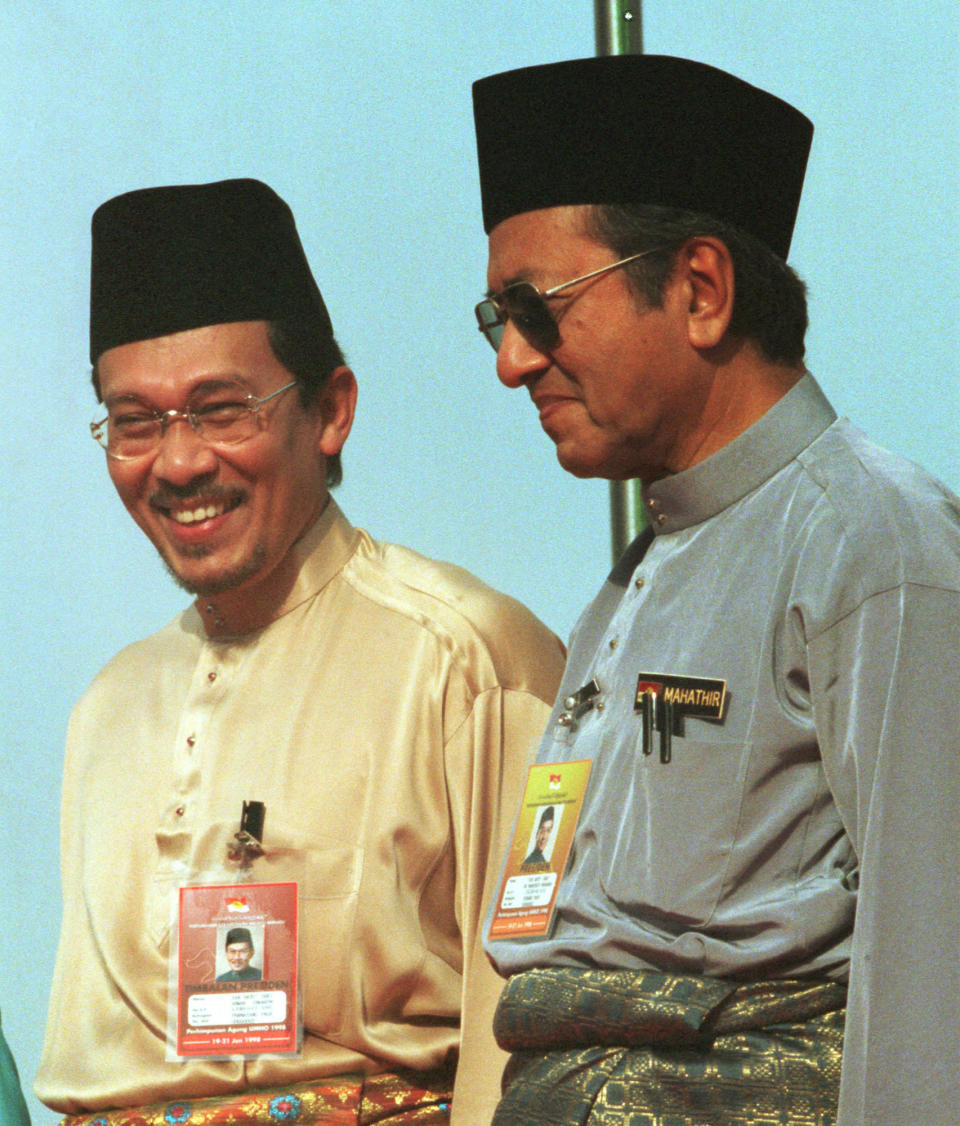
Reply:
x=174, y=258
x=239, y=934
x=641, y=129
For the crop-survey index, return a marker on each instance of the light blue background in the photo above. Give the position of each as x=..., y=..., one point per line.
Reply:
x=359, y=115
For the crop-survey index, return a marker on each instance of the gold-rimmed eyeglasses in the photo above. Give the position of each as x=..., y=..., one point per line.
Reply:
x=221, y=417
x=526, y=305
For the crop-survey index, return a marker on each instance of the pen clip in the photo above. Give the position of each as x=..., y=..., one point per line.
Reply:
x=246, y=845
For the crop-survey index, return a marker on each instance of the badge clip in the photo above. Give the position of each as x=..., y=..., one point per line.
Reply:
x=578, y=703
x=246, y=846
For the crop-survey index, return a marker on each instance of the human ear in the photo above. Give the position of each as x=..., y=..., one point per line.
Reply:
x=710, y=279
x=336, y=407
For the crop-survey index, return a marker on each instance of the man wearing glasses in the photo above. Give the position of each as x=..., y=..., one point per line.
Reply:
x=762, y=886
x=376, y=703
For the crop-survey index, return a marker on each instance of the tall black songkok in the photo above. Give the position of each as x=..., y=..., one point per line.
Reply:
x=173, y=258
x=641, y=129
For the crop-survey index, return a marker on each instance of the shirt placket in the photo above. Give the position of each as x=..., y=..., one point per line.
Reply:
x=605, y=701
x=620, y=651
x=189, y=767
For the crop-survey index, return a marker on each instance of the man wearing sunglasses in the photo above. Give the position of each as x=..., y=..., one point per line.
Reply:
x=754, y=924
x=374, y=703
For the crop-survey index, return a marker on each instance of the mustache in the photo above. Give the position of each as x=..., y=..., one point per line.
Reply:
x=166, y=495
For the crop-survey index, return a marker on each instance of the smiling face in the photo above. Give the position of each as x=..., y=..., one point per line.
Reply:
x=224, y=518
x=622, y=392
x=239, y=955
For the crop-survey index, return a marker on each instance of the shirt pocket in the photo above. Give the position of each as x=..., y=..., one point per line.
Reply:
x=667, y=834
x=328, y=884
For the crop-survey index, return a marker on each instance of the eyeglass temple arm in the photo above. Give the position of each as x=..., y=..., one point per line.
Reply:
x=594, y=273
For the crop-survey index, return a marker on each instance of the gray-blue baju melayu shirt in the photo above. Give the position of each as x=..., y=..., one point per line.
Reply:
x=815, y=827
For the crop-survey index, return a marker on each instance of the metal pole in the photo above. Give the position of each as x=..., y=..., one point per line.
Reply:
x=618, y=27
x=618, y=30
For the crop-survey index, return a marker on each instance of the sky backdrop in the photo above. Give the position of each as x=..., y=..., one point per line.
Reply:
x=359, y=115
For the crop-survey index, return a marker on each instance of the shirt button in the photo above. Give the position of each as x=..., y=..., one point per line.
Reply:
x=211, y=676
x=660, y=517
x=638, y=582
x=180, y=810
x=613, y=643
x=600, y=705
x=191, y=740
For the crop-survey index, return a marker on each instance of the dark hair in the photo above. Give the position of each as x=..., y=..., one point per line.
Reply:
x=770, y=300
x=308, y=351
x=547, y=815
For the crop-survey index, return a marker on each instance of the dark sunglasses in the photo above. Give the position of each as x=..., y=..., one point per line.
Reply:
x=527, y=307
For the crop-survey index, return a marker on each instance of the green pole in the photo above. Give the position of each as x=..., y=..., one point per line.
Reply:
x=618, y=30
x=618, y=27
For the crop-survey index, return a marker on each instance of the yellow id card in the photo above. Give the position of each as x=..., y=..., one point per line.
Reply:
x=537, y=859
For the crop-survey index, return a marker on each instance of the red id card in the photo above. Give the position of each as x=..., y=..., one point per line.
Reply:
x=237, y=989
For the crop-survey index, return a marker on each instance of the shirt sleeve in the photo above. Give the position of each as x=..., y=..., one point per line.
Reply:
x=885, y=683
x=487, y=761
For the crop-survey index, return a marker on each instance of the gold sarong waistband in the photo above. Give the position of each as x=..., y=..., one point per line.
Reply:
x=642, y=1048
x=406, y=1098
x=562, y=1006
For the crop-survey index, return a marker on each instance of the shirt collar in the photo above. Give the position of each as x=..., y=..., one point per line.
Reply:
x=753, y=457
x=320, y=553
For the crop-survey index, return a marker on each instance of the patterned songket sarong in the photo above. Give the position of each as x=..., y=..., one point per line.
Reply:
x=408, y=1099
x=640, y=1048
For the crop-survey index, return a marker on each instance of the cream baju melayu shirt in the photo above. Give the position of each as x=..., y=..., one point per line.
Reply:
x=386, y=718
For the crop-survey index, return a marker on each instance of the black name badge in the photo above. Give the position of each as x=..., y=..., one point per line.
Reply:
x=663, y=700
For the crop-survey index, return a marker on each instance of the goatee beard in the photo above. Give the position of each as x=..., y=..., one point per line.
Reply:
x=227, y=580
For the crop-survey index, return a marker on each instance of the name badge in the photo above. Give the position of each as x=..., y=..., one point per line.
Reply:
x=234, y=979
x=539, y=849
x=663, y=700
